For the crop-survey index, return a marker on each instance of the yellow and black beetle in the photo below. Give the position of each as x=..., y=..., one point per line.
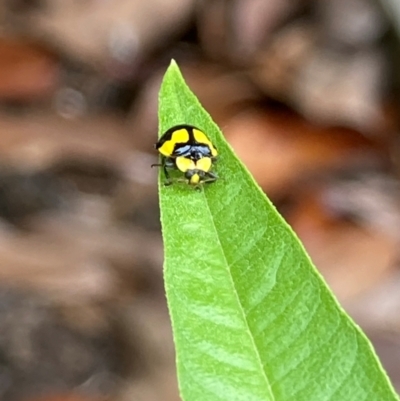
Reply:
x=187, y=149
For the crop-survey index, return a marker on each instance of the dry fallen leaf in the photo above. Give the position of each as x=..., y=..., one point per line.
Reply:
x=352, y=258
x=280, y=147
x=27, y=71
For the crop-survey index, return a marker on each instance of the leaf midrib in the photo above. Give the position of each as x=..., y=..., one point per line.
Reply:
x=258, y=356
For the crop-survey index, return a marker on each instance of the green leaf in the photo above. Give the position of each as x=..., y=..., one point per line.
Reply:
x=252, y=318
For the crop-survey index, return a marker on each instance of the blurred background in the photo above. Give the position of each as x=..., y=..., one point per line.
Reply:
x=307, y=93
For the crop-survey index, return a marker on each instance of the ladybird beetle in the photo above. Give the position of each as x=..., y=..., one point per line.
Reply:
x=189, y=150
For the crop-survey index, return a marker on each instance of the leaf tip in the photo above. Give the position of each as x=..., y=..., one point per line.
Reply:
x=173, y=68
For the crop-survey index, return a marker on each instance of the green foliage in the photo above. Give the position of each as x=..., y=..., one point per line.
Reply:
x=252, y=318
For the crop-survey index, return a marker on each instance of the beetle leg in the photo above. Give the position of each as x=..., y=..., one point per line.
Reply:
x=211, y=177
x=168, y=163
x=165, y=164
